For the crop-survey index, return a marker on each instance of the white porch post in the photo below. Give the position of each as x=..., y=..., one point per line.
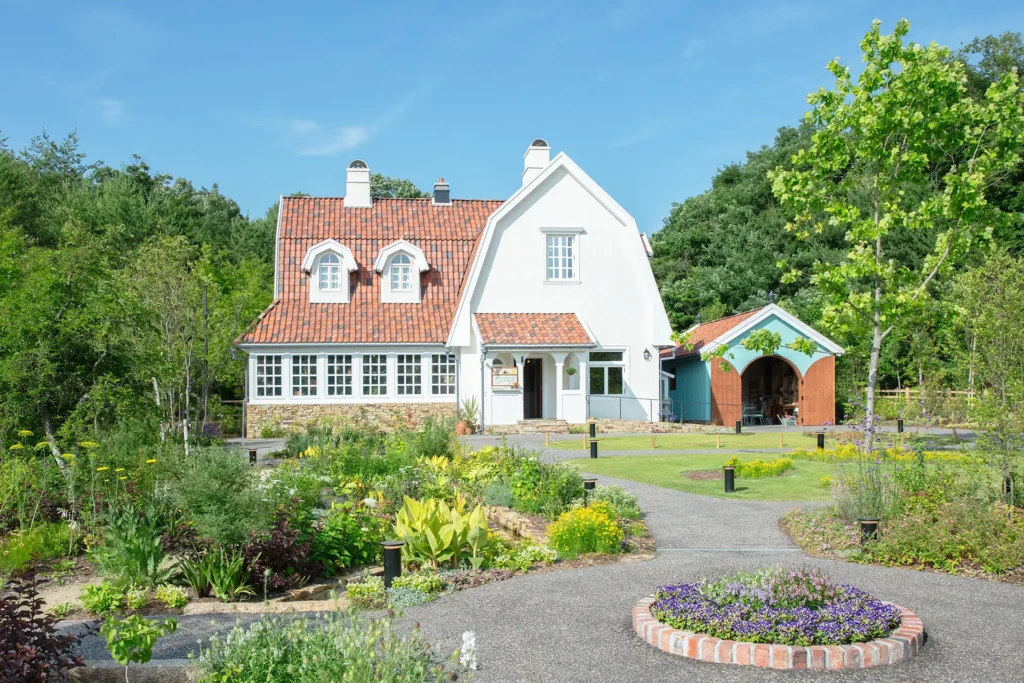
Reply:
x=559, y=358
x=584, y=358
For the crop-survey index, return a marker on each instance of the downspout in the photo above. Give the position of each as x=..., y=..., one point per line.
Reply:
x=458, y=383
x=483, y=390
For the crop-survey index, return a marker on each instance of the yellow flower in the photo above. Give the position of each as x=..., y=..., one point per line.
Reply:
x=24, y=433
x=88, y=444
x=123, y=478
x=150, y=461
x=119, y=469
x=102, y=469
x=41, y=445
x=16, y=447
x=68, y=456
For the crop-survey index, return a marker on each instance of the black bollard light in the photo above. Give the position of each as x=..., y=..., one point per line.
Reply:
x=588, y=485
x=392, y=561
x=252, y=456
x=821, y=441
x=868, y=529
x=730, y=479
x=593, y=448
x=739, y=426
x=593, y=430
x=899, y=425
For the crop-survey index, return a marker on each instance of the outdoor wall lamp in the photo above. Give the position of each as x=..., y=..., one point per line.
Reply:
x=647, y=354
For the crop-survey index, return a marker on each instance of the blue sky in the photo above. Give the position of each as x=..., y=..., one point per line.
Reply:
x=650, y=98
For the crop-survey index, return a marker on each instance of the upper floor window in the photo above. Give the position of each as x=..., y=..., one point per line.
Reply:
x=562, y=257
x=401, y=273
x=330, y=272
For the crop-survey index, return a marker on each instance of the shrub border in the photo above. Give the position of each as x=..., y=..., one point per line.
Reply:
x=905, y=642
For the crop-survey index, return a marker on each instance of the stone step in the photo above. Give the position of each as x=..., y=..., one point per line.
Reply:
x=543, y=426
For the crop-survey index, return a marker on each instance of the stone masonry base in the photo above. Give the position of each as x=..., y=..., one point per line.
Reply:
x=903, y=643
x=292, y=416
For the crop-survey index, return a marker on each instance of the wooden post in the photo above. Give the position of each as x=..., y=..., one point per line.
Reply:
x=547, y=439
x=903, y=438
x=780, y=440
x=653, y=445
x=586, y=443
x=956, y=439
x=718, y=440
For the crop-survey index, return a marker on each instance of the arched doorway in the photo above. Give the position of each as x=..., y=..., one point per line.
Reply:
x=770, y=387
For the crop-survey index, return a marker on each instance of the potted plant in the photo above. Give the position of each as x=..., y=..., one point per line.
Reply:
x=570, y=371
x=467, y=417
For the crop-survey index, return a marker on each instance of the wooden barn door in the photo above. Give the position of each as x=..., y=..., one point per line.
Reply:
x=726, y=402
x=818, y=393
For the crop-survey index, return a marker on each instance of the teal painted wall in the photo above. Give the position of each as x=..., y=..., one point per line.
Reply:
x=741, y=357
x=691, y=399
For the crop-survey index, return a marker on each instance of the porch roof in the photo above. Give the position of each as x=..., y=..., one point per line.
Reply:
x=532, y=329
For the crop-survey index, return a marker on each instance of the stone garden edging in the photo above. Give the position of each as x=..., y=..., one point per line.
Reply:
x=515, y=523
x=905, y=642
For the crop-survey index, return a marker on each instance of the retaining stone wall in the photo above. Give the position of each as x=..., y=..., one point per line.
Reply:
x=291, y=416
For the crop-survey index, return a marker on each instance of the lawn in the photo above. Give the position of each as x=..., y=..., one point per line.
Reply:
x=803, y=482
x=680, y=442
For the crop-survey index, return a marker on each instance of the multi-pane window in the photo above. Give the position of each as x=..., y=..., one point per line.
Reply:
x=375, y=374
x=408, y=376
x=330, y=272
x=401, y=273
x=268, y=375
x=304, y=375
x=606, y=373
x=339, y=375
x=561, y=257
x=442, y=374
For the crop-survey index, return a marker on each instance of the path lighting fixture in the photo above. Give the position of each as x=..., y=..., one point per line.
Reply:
x=868, y=530
x=252, y=456
x=739, y=426
x=593, y=429
x=588, y=485
x=593, y=448
x=899, y=425
x=647, y=354
x=821, y=441
x=392, y=561
x=730, y=479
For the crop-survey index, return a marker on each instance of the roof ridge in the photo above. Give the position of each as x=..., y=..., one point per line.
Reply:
x=392, y=199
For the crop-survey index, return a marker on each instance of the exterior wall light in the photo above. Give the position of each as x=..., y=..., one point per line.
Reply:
x=647, y=354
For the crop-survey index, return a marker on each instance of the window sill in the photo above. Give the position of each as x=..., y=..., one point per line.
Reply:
x=562, y=282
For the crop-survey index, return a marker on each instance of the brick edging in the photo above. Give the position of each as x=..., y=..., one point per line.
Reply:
x=904, y=642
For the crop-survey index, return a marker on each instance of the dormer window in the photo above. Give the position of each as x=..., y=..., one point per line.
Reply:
x=401, y=273
x=329, y=264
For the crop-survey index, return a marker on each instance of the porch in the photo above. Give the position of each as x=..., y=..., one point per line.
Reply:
x=535, y=384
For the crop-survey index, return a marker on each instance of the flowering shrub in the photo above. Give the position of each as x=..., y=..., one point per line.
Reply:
x=778, y=605
x=586, y=530
x=851, y=453
x=625, y=503
x=368, y=594
x=174, y=597
x=427, y=582
x=759, y=469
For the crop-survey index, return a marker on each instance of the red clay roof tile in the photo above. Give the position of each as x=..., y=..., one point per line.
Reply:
x=532, y=329
x=705, y=333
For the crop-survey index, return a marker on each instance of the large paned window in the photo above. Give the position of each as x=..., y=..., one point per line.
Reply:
x=401, y=273
x=339, y=375
x=561, y=257
x=330, y=272
x=304, y=375
x=606, y=373
x=268, y=376
x=408, y=375
x=442, y=374
x=375, y=374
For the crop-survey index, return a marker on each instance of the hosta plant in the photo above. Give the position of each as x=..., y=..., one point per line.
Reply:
x=437, y=534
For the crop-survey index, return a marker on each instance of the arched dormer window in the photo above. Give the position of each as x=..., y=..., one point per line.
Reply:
x=330, y=272
x=401, y=273
x=400, y=264
x=328, y=264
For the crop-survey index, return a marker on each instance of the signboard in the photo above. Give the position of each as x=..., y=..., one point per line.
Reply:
x=504, y=378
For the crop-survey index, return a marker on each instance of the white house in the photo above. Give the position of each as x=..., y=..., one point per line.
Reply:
x=539, y=306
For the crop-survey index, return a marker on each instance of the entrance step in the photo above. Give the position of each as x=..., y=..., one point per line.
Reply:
x=546, y=426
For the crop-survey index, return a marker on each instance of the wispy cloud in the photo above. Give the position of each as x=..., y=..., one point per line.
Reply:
x=348, y=137
x=644, y=132
x=693, y=47
x=91, y=94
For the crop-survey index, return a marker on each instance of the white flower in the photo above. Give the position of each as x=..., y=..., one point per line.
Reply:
x=370, y=502
x=467, y=655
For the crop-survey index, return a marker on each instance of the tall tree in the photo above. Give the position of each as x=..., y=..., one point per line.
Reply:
x=382, y=187
x=901, y=149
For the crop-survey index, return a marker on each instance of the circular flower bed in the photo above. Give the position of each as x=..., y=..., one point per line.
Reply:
x=782, y=606
x=780, y=618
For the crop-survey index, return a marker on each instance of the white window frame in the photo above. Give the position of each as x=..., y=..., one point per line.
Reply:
x=557, y=237
x=442, y=374
x=408, y=374
x=339, y=383
x=314, y=260
x=329, y=273
x=400, y=269
x=305, y=373
x=274, y=388
x=374, y=383
x=603, y=366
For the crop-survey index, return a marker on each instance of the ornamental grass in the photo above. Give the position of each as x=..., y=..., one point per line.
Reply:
x=777, y=605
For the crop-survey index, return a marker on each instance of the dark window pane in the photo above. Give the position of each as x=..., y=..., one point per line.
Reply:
x=597, y=380
x=605, y=356
x=615, y=381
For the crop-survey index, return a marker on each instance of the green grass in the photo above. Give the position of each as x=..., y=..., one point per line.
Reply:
x=803, y=482
x=680, y=442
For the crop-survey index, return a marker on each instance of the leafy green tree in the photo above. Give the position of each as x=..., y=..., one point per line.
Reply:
x=900, y=150
x=382, y=186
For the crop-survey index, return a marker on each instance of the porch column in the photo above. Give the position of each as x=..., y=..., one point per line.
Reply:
x=559, y=358
x=584, y=357
x=520, y=363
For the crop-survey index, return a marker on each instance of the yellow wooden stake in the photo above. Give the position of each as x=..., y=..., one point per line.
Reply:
x=902, y=438
x=956, y=439
x=780, y=440
x=653, y=445
x=586, y=443
x=718, y=441
x=547, y=439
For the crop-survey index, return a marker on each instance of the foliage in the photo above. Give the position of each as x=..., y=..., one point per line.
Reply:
x=425, y=581
x=228, y=575
x=136, y=597
x=779, y=605
x=625, y=503
x=591, y=529
x=42, y=542
x=382, y=186
x=173, y=597
x=868, y=149
x=462, y=579
x=102, y=598
x=759, y=469
x=334, y=647
x=435, y=533
x=499, y=493
x=195, y=572
x=524, y=555
x=469, y=410
x=538, y=487
x=131, y=640
x=279, y=557
x=349, y=536
x=31, y=648
x=61, y=610
x=400, y=597
x=852, y=452
x=368, y=593
x=132, y=550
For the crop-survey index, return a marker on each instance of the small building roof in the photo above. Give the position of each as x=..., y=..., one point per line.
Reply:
x=532, y=329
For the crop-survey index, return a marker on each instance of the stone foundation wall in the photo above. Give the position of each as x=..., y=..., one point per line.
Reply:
x=290, y=416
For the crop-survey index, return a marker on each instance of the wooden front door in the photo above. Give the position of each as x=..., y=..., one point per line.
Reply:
x=532, y=406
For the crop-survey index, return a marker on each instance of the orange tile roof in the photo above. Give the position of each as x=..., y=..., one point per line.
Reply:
x=532, y=329
x=707, y=332
x=448, y=236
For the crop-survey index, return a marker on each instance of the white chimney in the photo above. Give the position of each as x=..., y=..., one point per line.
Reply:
x=537, y=157
x=357, y=186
